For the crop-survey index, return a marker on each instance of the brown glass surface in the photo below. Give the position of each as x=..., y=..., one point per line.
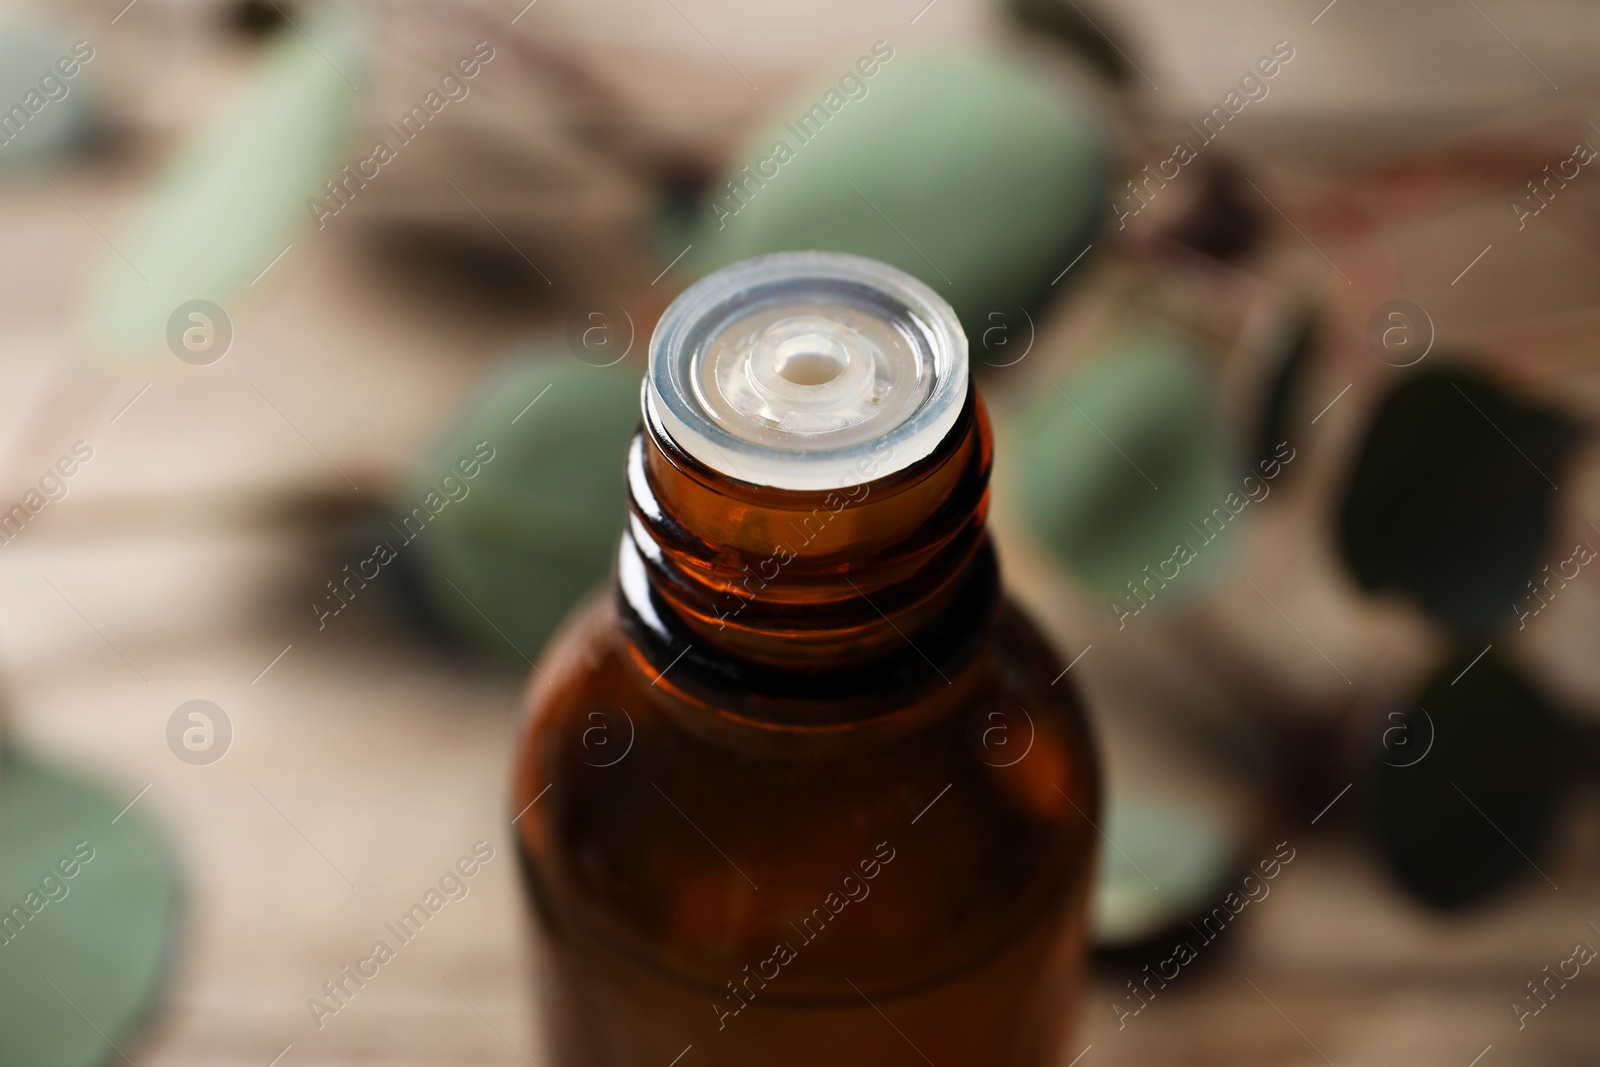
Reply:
x=835, y=813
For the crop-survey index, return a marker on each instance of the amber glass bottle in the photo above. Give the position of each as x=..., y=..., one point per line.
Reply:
x=804, y=788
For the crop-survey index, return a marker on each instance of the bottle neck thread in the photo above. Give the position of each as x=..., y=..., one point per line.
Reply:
x=877, y=584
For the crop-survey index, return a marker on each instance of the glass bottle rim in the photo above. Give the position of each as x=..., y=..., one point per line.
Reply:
x=898, y=357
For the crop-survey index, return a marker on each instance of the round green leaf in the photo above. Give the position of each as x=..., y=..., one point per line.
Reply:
x=1120, y=465
x=538, y=526
x=967, y=171
x=82, y=954
x=1184, y=850
x=1472, y=814
x=1453, y=495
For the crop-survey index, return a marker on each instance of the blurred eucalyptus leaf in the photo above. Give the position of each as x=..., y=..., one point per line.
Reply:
x=1470, y=813
x=536, y=526
x=1453, y=495
x=48, y=91
x=90, y=901
x=1121, y=464
x=1169, y=862
x=968, y=171
x=236, y=195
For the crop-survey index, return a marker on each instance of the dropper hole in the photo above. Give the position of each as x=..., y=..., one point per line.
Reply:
x=805, y=351
x=810, y=368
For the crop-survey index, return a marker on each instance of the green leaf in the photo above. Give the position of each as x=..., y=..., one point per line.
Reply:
x=968, y=171
x=539, y=525
x=237, y=193
x=1453, y=496
x=96, y=951
x=1121, y=463
x=1471, y=815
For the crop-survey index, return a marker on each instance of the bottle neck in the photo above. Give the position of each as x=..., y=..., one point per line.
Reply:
x=880, y=583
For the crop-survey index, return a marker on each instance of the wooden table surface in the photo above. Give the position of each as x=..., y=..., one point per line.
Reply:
x=363, y=762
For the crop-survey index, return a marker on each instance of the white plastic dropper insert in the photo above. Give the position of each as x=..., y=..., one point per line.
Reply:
x=802, y=370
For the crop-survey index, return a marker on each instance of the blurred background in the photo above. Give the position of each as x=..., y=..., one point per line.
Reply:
x=1284, y=311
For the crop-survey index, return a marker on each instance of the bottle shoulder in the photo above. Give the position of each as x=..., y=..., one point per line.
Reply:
x=594, y=657
x=693, y=836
